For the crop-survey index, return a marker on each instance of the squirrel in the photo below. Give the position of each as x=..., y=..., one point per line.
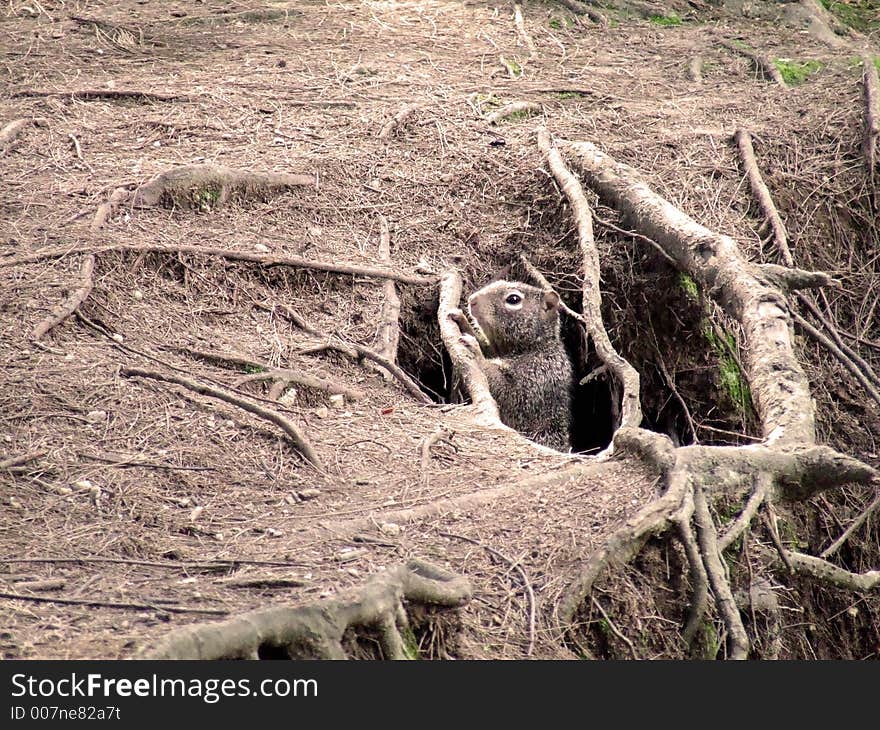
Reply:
x=515, y=339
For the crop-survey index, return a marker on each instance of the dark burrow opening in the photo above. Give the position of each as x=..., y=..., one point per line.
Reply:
x=692, y=386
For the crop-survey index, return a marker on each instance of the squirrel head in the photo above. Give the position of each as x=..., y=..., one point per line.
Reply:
x=515, y=317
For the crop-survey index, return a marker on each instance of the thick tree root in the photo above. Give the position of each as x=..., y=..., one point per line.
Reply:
x=692, y=475
x=316, y=631
x=788, y=465
x=473, y=379
x=388, y=336
x=210, y=186
x=626, y=376
x=778, y=382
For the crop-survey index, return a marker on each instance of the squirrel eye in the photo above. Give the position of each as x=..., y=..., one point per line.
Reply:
x=513, y=299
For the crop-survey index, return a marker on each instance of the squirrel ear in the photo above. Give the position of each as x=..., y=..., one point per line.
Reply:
x=551, y=300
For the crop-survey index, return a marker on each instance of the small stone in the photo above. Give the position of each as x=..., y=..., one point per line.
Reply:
x=272, y=532
x=322, y=412
x=196, y=512
x=337, y=400
x=118, y=338
x=261, y=248
x=308, y=493
x=14, y=503
x=289, y=397
x=96, y=416
x=83, y=484
x=137, y=294
x=389, y=528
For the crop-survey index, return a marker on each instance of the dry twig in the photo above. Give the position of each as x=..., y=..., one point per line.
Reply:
x=293, y=432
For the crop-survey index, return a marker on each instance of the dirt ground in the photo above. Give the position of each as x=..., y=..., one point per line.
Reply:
x=137, y=482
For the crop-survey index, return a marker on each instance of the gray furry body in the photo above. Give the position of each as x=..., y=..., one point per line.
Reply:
x=517, y=344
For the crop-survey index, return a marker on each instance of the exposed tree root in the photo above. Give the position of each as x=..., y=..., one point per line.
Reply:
x=813, y=567
x=581, y=8
x=64, y=309
x=762, y=194
x=819, y=23
x=290, y=377
x=316, y=630
x=872, y=114
x=570, y=474
x=517, y=107
x=791, y=278
x=520, y=24
x=762, y=63
x=105, y=210
x=856, y=524
x=285, y=376
x=232, y=255
x=105, y=94
x=14, y=461
x=396, y=121
x=293, y=432
x=707, y=539
x=863, y=376
x=354, y=351
x=388, y=336
x=463, y=357
x=788, y=465
x=626, y=376
x=779, y=385
x=10, y=131
x=699, y=578
x=744, y=518
x=210, y=186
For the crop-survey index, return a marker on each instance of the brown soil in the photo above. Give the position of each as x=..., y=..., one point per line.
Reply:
x=142, y=471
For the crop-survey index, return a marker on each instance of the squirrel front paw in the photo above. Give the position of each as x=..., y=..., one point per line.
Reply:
x=457, y=316
x=470, y=343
